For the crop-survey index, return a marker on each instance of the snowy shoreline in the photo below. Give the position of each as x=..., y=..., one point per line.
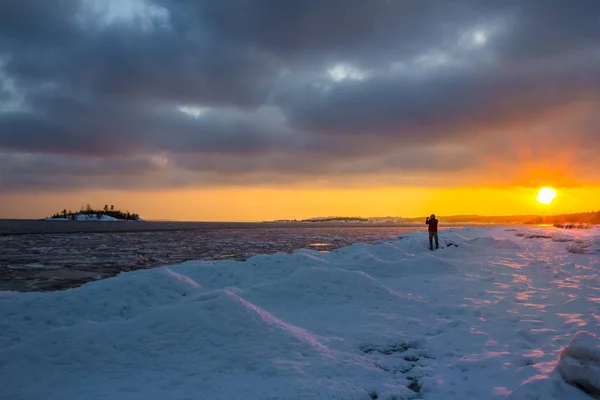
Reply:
x=485, y=317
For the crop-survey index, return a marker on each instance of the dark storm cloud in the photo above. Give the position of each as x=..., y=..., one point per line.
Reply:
x=136, y=61
x=448, y=105
x=420, y=76
x=367, y=29
x=56, y=172
x=412, y=160
x=69, y=125
x=297, y=30
x=551, y=27
x=63, y=166
x=38, y=23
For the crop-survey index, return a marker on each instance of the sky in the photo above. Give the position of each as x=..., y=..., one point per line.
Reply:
x=254, y=110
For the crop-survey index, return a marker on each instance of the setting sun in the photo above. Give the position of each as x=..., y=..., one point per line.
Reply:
x=546, y=195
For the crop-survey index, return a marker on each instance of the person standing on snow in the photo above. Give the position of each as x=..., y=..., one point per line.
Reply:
x=433, y=231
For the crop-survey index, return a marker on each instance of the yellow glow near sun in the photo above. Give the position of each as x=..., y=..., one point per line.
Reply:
x=546, y=195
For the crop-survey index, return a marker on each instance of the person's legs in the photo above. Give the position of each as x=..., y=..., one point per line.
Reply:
x=437, y=243
x=431, y=240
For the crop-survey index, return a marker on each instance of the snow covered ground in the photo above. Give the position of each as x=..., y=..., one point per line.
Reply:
x=485, y=317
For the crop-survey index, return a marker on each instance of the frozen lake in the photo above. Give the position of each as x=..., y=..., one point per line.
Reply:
x=50, y=255
x=502, y=313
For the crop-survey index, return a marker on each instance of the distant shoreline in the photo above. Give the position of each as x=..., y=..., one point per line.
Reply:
x=9, y=227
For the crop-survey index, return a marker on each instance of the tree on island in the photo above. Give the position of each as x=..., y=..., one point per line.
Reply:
x=97, y=214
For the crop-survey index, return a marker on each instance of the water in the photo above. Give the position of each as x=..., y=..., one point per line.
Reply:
x=44, y=255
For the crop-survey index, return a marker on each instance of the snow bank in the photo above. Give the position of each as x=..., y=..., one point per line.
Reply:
x=484, y=317
x=579, y=362
x=576, y=377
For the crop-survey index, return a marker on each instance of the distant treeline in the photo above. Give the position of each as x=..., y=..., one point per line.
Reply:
x=336, y=219
x=573, y=226
x=482, y=219
x=592, y=218
x=107, y=210
x=578, y=218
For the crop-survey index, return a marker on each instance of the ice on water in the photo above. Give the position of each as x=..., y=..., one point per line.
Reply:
x=495, y=314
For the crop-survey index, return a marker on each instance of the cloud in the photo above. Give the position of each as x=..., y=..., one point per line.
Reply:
x=239, y=92
x=45, y=23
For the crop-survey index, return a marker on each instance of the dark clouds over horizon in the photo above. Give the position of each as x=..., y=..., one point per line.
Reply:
x=169, y=93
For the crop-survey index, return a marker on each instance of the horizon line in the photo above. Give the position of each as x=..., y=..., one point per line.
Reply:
x=338, y=216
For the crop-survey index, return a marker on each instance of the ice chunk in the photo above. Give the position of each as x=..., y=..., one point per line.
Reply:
x=579, y=362
x=547, y=388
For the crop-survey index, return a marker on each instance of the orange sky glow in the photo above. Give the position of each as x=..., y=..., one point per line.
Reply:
x=258, y=204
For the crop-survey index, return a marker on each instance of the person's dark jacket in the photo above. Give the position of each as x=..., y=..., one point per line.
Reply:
x=433, y=224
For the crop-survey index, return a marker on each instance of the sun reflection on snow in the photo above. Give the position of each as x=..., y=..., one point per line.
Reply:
x=546, y=367
x=539, y=307
x=573, y=319
x=534, y=353
x=501, y=391
x=523, y=296
x=517, y=278
x=565, y=284
x=594, y=299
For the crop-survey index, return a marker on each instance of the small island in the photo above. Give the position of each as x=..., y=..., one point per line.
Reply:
x=87, y=213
